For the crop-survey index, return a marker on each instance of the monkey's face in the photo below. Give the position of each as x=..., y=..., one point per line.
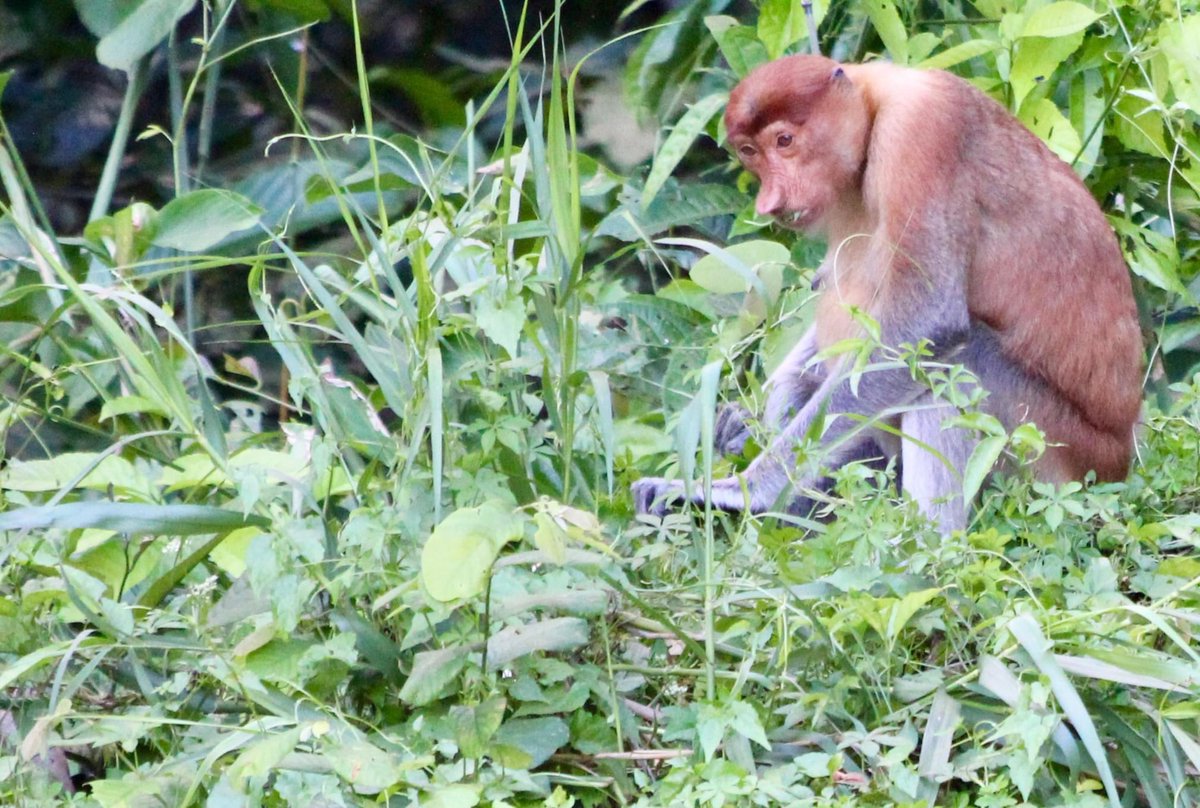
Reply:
x=800, y=125
x=795, y=190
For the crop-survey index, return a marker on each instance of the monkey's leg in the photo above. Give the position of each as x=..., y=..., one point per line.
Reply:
x=935, y=483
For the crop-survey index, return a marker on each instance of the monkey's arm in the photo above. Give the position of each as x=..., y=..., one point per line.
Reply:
x=925, y=299
x=789, y=388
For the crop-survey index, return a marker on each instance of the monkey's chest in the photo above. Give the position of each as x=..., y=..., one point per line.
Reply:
x=848, y=301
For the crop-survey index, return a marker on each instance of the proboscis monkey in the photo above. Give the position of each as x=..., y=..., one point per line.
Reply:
x=946, y=220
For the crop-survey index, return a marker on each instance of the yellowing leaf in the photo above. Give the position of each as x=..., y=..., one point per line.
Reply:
x=459, y=553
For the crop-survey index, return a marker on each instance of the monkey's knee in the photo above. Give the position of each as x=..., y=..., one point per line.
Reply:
x=934, y=481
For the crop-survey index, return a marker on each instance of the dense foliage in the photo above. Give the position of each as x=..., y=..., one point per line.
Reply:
x=360, y=534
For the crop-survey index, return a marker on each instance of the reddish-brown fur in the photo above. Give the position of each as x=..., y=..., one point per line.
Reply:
x=971, y=203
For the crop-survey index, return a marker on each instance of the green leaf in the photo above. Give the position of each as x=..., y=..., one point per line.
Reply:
x=890, y=28
x=458, y=795
x=979, y=464
x=129, y=405
x=365, y=766
x=1035, y=61
x=904, y=609
x=537, y=737
x=936, y=744
x=136, y=29
x=1152, y=256
x=458, y=555
x=686, y=205
x=1046, y=121
x=550, y=538
x=960, y=53
x=432, y=673
x=744, y=720
x=684, y=133
x=739, y=44
x=501, y=321
x=781, y=24
x=716, y=273
x=1028, y=633
x=474, y=725
x=129, y=518
x=1059, y=19
x=263, y=755
x=202, y=219
x=553, y=634
x=95, y=471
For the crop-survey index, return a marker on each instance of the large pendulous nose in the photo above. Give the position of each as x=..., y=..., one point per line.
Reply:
x=769, y=201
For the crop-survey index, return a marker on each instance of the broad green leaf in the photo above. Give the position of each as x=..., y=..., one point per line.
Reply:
x=1059, y=19
x=683, y=134
x=781, y=24
x=1139, y=124
x=432, y=673
x=716, y=273
x=141, y=28
x=979, y=465
x=904, y=609
x=816, y=764
x=739, y=44
x=1180, y=41
x=728, y=260
x=76, y=469
x=130, y=518
x=960, y=53
x=1096, y=669
x=552, y=634
x=474, y=725
x=1046, y=121
x=192, y=470
x=1035, y=61
x=263, y=755
x=550, y=538
x=744, y=720
x=365, y=766
x=1152, y=256
x=501, y=321
x=890, y=28
x=458, y=555
x=537, y=737
x=457, y=795
x=202, y=219
x=305, y=10
x=686, y=205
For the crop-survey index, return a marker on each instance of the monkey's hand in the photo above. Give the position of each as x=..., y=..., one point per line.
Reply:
x=657, y=495
x=731, y=429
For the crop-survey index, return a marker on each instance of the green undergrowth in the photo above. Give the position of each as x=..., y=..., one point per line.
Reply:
x=387, y=556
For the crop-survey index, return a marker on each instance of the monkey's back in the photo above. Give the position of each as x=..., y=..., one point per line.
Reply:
x=1048, y=278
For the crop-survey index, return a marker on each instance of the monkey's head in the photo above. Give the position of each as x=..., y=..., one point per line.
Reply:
x=801, y=125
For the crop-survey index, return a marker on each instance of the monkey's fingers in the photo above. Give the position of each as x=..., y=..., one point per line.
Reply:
x=731, y=429
x=656, y=495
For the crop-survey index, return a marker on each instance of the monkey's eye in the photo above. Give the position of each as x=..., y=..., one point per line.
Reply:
x=747, y=151
x=783, y=141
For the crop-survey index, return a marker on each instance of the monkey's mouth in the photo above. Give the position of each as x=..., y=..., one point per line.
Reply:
x=796, y=219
